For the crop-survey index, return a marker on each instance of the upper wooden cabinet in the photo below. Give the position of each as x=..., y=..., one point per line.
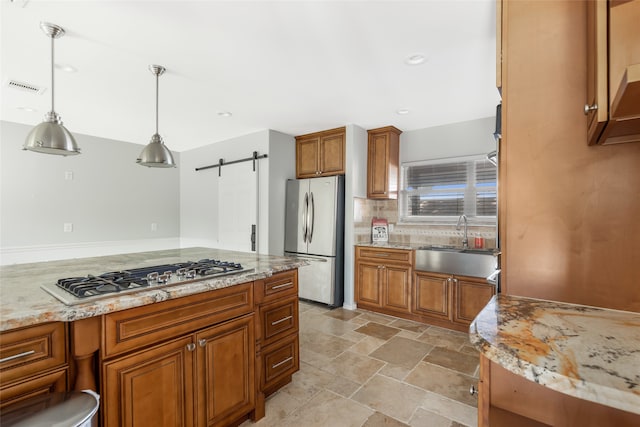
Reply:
x=383, y=159
x=613, y=72
x=320, y=153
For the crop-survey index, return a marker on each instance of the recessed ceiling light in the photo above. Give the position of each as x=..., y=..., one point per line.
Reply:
x=415, y=59
x=66, y=67
x=402, y=111
x=225, y=113
x=28, y=109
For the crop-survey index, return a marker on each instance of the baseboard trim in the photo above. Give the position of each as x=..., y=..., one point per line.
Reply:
x=43, y=253
x=351, y=306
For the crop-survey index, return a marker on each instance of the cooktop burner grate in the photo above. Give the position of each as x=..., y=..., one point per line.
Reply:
x=74, y=290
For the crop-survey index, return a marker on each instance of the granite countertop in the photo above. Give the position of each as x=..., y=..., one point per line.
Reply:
x=391, y=245
x=24, y=303
x=587, y=352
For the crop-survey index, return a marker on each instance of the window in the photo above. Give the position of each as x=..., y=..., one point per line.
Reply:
x=442, y=190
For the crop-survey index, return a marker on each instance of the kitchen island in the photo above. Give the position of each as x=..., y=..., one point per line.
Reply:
x=207, y=351
x=24, y=303
x=581, y=363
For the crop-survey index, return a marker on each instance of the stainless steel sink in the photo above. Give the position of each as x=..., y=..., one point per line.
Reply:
x=455, y=260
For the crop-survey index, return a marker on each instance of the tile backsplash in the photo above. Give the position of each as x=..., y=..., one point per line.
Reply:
x=421, y=234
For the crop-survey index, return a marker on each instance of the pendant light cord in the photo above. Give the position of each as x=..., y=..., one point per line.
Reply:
x=157, y=95
x=52, y=82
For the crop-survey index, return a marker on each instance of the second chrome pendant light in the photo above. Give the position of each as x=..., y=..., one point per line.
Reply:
x=156, y=154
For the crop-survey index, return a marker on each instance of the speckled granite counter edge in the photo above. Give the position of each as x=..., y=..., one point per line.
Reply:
x=626, y=400
x=391, y=245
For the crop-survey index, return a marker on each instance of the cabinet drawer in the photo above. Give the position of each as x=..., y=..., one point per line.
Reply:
x=279, y=319
x=31, y=350
x=51, y=382
x=138, y=327
x=384, y=255
x=280, y=360
x=277, y=286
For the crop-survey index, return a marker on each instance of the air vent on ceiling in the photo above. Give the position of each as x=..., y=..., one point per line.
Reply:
x=27, y=87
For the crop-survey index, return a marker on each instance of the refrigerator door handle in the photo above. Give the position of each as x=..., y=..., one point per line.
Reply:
x=305, y=214
x=313, y=217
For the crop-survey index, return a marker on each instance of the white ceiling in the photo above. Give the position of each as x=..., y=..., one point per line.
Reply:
x=292, y=66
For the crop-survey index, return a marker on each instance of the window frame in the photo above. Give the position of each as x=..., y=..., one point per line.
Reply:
x=470, y=190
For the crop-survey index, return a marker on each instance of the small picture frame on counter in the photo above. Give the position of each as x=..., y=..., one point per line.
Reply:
x=379, y=230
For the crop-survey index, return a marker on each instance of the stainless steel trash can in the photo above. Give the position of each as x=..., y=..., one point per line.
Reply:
x=73, y=409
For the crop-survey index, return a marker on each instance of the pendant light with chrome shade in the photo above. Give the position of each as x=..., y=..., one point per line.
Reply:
x=156, y=154
x=50, y=136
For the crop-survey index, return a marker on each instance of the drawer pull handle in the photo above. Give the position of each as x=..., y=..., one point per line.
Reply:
x=282, y=286
x=202, y=342
x=288, y=359
x=284, y=319
x=191, y=346
x=17, y=356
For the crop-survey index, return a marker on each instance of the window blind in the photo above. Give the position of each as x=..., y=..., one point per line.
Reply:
x=448, y=189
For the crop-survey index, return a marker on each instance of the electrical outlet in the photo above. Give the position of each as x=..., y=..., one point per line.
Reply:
x=68, y=227
x=391, y=226
x=154, y=226
x=68, y=175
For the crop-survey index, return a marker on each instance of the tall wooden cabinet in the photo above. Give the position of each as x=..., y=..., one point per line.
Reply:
x=383, y=162
x=320, y=153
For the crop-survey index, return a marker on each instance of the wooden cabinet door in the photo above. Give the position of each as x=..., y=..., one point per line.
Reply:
x=396, y=282
x=378, y=157
x=225, y=371
x=471, y=295
x=432, y=295
x=383, y=158
x=307, y=157
x=153, y=387
x=368, y=289
x=597, y=70
x=332, y=154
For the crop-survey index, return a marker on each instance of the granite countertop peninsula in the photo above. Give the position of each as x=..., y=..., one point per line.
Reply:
x=587, y=352
x=23, y=302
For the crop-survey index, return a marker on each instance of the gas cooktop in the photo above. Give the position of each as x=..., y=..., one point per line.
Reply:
x=76, y=290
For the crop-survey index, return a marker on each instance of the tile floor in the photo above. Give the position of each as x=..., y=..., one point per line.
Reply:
x=359, y=368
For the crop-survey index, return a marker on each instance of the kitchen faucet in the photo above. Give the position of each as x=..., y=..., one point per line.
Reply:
x=465, y=240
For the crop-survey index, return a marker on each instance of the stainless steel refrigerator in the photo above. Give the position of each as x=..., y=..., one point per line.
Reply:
x=314, y=230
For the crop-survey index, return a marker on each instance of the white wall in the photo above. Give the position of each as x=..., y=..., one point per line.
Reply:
x=282, y=166
x=111, y=201
x=452, y=140
x=199, y=191
x=355, y=186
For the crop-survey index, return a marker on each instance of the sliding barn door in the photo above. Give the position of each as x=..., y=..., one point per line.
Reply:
x=238, y=207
